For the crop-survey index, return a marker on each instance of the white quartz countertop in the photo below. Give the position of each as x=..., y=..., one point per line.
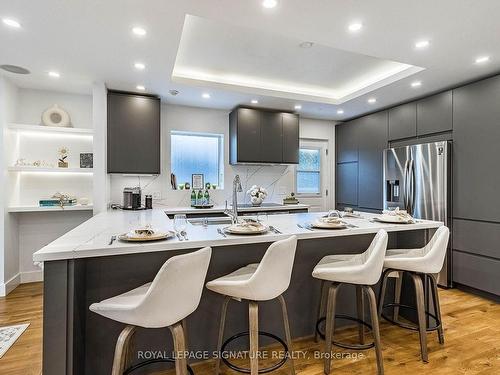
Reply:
x=91, y=238
x=220, y=209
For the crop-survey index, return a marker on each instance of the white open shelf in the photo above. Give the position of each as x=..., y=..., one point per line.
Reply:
x=51, y=129
x=50, y=170
x=77, y=207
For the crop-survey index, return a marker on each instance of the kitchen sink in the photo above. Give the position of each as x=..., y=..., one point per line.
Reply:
x=210, y=220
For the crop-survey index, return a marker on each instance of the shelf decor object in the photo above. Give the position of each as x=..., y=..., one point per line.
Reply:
x=257, y=195
x=86, y=160
x=56, y=116
x=63, y=155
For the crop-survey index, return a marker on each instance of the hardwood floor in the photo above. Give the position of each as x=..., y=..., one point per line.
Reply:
x=472, y=341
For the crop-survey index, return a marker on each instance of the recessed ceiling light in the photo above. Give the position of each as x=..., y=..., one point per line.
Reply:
x=139, y=31
x=421, y=44
x=54, y=74
x=255, y=101
x=372, y=100
x=11, y=23
x=140, y=66
x=306, y=44
x=205, y=95
x=298, y=106
x=416, y=84
x=340, y=111
x=355, y=26
x=173, y=92
x=482, y=59
x=269, y=3
x=140, y=87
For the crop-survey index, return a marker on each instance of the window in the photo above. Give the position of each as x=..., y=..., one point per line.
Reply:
x=201, y=153
x=308, y=171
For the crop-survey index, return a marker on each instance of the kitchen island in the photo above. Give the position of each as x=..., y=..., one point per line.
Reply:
x=81, y=268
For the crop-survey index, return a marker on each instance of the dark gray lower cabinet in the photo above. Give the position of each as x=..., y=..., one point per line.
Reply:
x=476, y=140
x=347, y=184
x=403, y=121
x=477, y=272
x=435, y=114
x=476, y=237
x=371, y=144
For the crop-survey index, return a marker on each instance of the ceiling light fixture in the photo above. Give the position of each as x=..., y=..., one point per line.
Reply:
x=139, y=31
x=173, y=92
x=340, y=111
x=355, y=26
x=269, y=4
x=298, y=106
x=421, y=44
x=205, y=95
x=482, y=59
x=14, y=69
x=54, y=74
x=372, y=100
x=11, y=23
x=140, y=87
x=255, y=101
x=306, y=44
x=416, y=84
x=140, y=66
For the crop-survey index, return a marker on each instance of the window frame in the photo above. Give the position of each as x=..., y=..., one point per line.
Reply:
x=297, y=170
x=220, y=146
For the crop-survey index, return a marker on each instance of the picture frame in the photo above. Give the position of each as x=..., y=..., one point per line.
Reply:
x=197, y=182
x=86, y=160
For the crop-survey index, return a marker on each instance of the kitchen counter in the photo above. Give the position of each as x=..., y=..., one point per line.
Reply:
x=81, y=268
x=91, y=239
x=221, y=208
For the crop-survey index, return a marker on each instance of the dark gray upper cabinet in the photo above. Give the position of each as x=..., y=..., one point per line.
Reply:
x=372, y=141
x=346, y=136
x=403, y=121
x=133, y=133
x=476, y=140
x=290, y=138
x=435, y=114
x=258, y=136
x=347, y=184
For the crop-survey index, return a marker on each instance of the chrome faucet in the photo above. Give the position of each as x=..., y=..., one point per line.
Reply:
x=233, y=213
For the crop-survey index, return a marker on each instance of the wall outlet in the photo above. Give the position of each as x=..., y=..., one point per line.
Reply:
x=156, y=194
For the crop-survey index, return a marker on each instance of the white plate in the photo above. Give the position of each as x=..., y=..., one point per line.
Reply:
x=393, y=219
x=154, y=237
x=323, y=225
x=245, y=229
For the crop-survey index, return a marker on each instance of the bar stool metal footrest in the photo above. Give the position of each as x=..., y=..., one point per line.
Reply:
x=412, y=327
x=150, y=362
x=247, y=370
x=342, y=344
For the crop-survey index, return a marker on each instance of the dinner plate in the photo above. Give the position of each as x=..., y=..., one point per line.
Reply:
x=393, y=219
x=153, y=237
x=323, y=225
x=246, y=229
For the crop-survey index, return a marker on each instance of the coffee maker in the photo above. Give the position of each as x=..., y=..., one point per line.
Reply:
x=132, y=198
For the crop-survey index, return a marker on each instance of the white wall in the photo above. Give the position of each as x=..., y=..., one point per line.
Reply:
x=279, y=180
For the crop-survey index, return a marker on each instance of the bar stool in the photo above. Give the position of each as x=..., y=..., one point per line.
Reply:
x=180, y=279
x=262, y=281
x=426, y=262
x=363, y=271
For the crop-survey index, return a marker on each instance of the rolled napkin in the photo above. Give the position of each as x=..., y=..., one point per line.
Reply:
x=329, y=220
x=401, y=214
x=147, y=231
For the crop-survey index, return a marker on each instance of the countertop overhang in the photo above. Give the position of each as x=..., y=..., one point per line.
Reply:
x=91, y=238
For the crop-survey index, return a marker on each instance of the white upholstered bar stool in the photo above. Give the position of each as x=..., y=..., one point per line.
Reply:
x=262, y=281
x=173, y=295
x=422, y=263
x=363, y=271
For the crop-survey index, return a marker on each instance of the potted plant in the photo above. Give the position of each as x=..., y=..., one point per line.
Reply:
x=257, y=195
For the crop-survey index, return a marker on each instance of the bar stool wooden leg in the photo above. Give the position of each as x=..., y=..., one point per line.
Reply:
x=437, y=307
x=222, y=326
x=330, y=325
x=381, y=296
x=398, y=283
x=321, y=307
x=179, y=349
x=288, y=336
x=422, y=327
x=122, y=352
x=375, y=328
x=185, y=330
x=253, y=319
x=360, y=306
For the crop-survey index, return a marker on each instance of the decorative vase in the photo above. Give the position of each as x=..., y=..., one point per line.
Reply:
x=256, y=201
x=63, y=164
x=56, y=116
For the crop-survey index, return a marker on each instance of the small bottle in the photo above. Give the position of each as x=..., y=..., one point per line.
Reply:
x=207, y=198
x=199, y=200
x=193, y=198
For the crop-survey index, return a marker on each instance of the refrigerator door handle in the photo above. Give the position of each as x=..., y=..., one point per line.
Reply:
x=405, y=190
x=411, y=178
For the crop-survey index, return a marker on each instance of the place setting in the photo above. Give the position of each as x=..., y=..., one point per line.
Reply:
x=396, y=216
x=331, y=221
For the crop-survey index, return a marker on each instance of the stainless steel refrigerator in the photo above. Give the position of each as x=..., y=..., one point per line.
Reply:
x=417, y=178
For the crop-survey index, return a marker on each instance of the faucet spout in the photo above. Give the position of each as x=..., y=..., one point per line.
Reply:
x=234, y=210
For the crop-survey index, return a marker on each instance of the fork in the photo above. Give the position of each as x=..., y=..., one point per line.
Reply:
x=185, y=235
x=179, y=237
x=112, y=239
x=275, y=230
x=221, y=232
x=304, y=227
